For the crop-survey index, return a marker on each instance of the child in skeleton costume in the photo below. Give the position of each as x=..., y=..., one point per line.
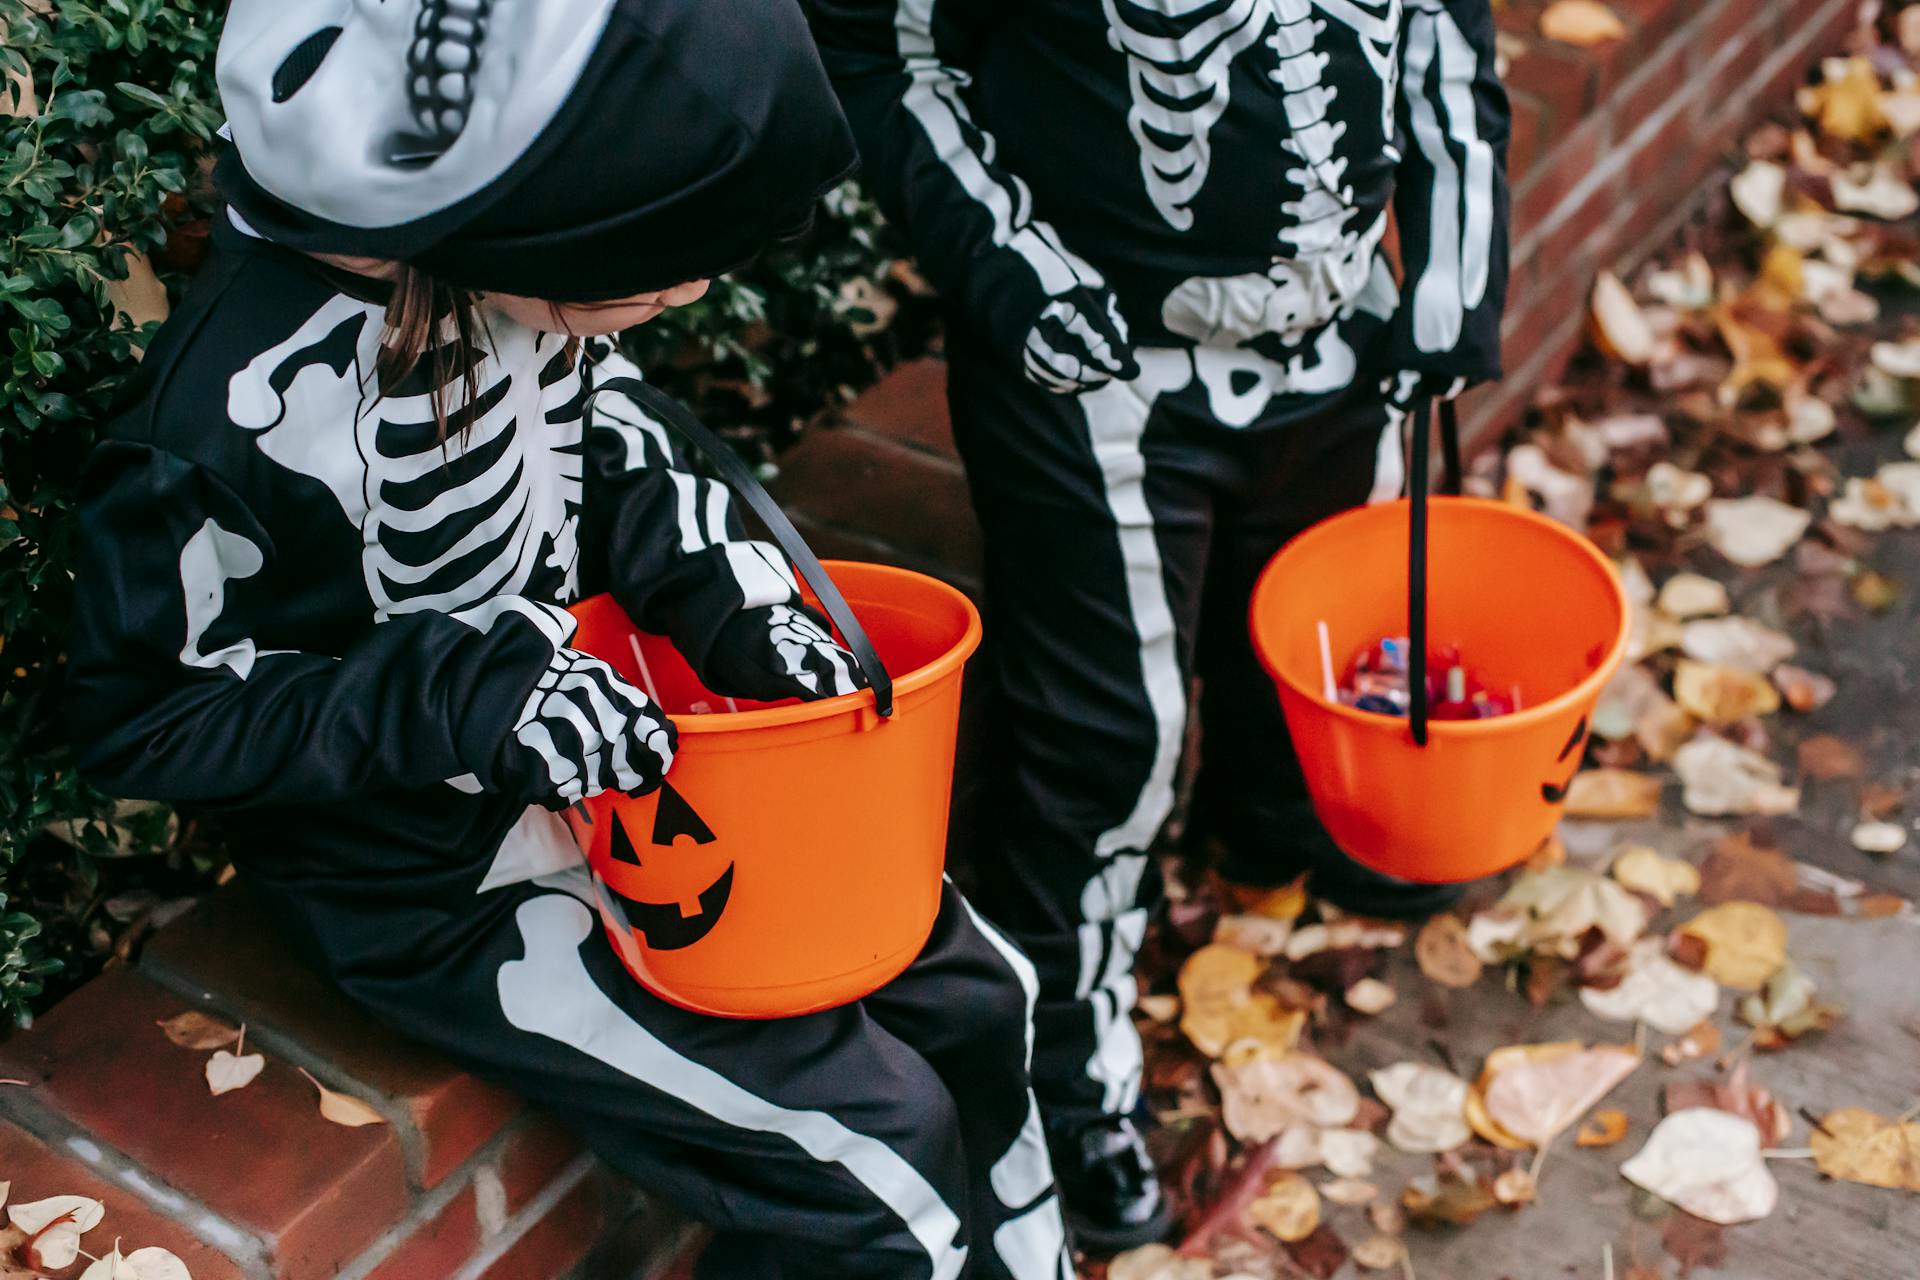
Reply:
x=1176, y=340
x=331, y=601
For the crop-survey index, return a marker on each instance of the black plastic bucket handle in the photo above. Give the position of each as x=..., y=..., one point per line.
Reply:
x=1419, y=475
x=731, y=470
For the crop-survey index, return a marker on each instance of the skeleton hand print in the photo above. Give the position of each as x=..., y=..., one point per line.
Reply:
x=1079, y=343
x=585, y=730
x=779, y=652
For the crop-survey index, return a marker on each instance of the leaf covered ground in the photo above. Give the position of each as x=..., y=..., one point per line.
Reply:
x=1679, y=1040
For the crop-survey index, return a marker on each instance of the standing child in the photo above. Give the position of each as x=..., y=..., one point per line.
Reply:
x=1159, y=227
x=329, y=542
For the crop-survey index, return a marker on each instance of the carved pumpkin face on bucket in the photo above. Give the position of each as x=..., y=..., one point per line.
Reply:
x=672, y=883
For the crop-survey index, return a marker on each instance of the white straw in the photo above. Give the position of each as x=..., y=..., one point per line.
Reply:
x=646, y=672
x=1326, y=664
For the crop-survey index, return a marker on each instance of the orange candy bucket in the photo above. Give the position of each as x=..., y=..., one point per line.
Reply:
x=1529, y=602
x=793, y=860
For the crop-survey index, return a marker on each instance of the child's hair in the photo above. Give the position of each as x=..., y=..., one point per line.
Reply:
x=432, y=321
x=439, y=323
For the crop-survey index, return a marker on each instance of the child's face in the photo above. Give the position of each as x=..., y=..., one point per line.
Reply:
x=592, y=319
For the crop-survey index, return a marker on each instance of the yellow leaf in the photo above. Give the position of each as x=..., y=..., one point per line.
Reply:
x=1581, y=22
x=1289, y=1207
x=1379, y=1253
x=1746, y=943
x=1663, y=879
x=1514, y=1188
x=1847, y=102
x=342, y=1108
x=1603, y=1128
x=1723, y=696
x=1445, y=953
x=1859, y=1146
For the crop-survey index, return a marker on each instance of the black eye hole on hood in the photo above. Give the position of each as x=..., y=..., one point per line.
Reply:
x=298, y=66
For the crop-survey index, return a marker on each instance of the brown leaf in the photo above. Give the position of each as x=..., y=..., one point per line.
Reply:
x=1321, y=1254
x=1515, y=1188
x=1603, y=1128
x=1803, y=690
x=1693, y=1242
x=1875, y=591
x=343, y=1109
x=1740, y=870
x=1824, y=757
x=1880, y=800
x=1700, y=1042
x=1443, y=954
x=1446, y=1199
x=1737, y=1095
x=196, y=1030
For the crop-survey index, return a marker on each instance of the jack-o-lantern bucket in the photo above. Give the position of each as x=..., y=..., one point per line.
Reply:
x=793, y=860
x=1528, y=602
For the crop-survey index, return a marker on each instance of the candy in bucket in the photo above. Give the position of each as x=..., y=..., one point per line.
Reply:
x=1377, y=680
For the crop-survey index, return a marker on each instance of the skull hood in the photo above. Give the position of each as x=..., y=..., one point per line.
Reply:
x=574, y=150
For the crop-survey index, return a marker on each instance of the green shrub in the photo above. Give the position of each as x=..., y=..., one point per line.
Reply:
x=109, y=173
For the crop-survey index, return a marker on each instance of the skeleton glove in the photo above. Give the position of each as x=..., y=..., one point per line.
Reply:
x=1079, y=343
x=585, y=730
x=777, y=652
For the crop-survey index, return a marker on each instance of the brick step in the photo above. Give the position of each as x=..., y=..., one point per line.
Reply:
x=461, y=1181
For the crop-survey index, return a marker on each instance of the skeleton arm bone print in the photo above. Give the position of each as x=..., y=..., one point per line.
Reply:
x=898, y=66
x=1451, y=198
x=171, y=697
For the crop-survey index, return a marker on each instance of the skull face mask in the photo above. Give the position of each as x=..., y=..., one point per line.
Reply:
x=573, y=150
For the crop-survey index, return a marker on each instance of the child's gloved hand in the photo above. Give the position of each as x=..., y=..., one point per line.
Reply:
x=1078, y=343
x=779, y=651
x=585, y=730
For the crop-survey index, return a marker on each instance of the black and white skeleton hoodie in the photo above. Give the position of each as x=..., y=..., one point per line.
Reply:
x=1226, y=167
x=295, y=601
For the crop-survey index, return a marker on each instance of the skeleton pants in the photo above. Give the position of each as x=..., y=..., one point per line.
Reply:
x=892, y=1138
x=1124, y=533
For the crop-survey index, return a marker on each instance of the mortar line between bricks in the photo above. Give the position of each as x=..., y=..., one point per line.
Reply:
x=530, y=1215
x=425, y=1205
x=246, y=1249
x=413, y=1143
x=1810, y=33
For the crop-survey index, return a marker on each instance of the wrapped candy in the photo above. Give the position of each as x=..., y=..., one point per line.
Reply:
x=1378, y=681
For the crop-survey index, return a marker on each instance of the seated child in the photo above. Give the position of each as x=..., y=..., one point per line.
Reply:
x=327, y=548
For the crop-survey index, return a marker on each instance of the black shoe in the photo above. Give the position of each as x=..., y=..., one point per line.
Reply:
x=1338, y=879
x=1108, y=1186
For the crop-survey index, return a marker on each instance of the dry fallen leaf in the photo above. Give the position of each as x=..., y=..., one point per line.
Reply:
x=1447, y=1198
x=1613, y=793
x=1348, y=1153
x=196, y=1030
x=1722, y=696
x=227, y=1071
x=1581, y=22
x=1565, y=901
x=1697, y=1043
x=1158, y=1262
x=1738, y=870
x=1379, y=1253
x=1755, y=530
x=53, y=1228
x=1261, y=935
x=1858, y=1146
x=1879, y=837
x=1602, y=1129
x=1721, y=779
x=142, y=1264
x=1746, y=943
x=1289, y=1207
x=1370, y=996
x=1707, y=1162
x=1824, y=757
x=1514, y=1188
x=1786, y=1008
x=1428, y=1106
x=1803, y=690
x=1341, y=935
x=1619, y=324
x=1350, y=1192
x=1664, y=879
x=1445, y=953
x=1740, y=643
x=1759, y=192
x=1535, y=1100
x=343, y=1109
x=1655, y=991
x=1264, y=1092
x=1692, y=595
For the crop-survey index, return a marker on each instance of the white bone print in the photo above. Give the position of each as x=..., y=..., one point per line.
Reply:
x=444, y=524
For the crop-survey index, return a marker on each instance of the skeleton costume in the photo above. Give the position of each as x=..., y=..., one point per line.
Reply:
x=305, y=601
x=1159, y=225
